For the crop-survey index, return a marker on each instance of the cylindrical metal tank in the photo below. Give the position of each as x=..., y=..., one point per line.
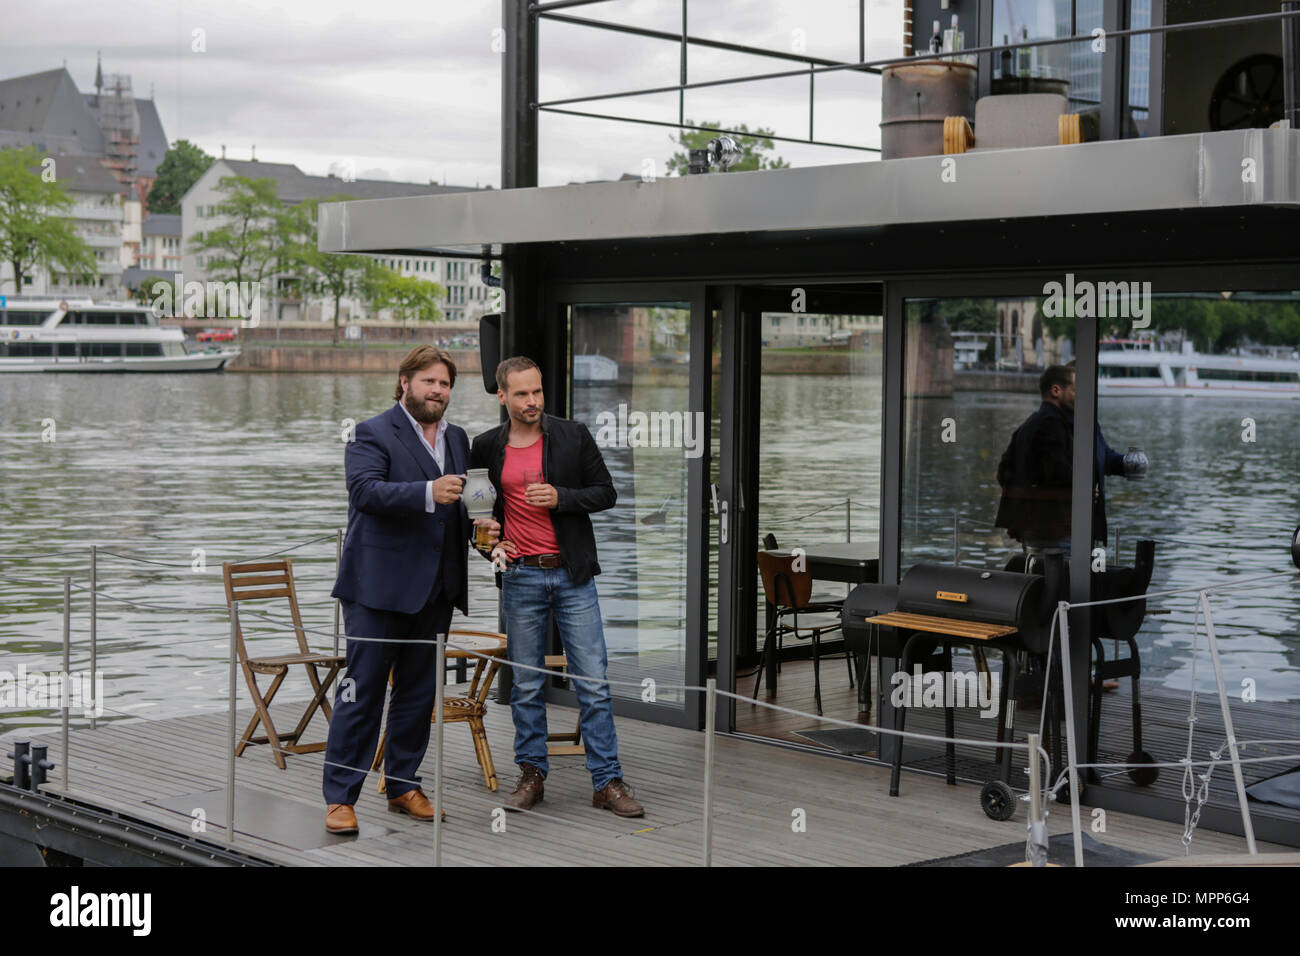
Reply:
x=915, y=98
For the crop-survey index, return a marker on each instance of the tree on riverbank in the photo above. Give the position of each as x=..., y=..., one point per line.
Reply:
x=1214, y=324
x=180, y=169
x=332, y=274
x=35, y=231
x=410, y=297
x=253, y=239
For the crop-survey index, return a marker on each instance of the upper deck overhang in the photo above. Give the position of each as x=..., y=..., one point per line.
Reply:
x=1199, y=171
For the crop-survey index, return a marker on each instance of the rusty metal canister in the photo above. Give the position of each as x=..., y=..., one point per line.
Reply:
x=915, y=98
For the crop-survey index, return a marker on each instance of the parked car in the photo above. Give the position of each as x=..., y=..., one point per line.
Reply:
x=216, y=335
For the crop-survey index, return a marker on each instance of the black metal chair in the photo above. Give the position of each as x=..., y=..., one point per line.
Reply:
x=789, y=592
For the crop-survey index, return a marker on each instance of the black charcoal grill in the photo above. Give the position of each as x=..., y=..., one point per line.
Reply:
x=937, y=606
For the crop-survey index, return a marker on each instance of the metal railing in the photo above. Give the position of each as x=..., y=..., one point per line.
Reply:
x=817, y=65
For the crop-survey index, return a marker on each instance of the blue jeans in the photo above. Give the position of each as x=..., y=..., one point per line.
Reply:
x=529, y=596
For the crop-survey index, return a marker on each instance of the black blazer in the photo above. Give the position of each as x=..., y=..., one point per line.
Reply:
x=571, y=462
x=394, y=550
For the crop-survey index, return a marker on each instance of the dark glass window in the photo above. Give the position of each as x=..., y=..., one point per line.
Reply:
x=31, y=349
x=143, y=348
x=15, y=317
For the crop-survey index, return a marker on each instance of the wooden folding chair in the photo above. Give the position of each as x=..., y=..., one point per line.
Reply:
x=257, y=580
x=469, y=709
x=570, y=745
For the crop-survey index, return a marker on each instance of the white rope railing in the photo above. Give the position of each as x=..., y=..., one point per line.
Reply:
x=1060, y=623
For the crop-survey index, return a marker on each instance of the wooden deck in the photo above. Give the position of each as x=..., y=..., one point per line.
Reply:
x=135, y=766
x=1164, y=733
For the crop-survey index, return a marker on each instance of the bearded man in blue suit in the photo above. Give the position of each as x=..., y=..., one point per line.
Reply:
x=403, y=570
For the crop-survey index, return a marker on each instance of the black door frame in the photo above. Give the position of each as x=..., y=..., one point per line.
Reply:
x=556, y=298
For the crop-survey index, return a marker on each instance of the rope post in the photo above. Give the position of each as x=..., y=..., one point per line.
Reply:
x=67, y=654
x=1247, y=827
x=1063, y=613
x=437, y=751
x=1037, y=823
x=956, y=551
x=848, y=519
x=230, y=726
x=94, y=629
x=338, y=559
x=710, y=702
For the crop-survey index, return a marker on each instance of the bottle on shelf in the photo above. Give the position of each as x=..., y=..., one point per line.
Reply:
x=953, y=39
x=936, y=40
x=1005, y=58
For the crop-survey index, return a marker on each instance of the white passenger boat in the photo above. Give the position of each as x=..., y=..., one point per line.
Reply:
x=1137, y=367
x=594, y=369
x=80, y=335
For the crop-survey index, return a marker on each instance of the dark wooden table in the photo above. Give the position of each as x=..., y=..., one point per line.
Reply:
x=850, y=562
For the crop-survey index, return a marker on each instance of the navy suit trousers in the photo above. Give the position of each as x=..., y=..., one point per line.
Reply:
x=359, y=697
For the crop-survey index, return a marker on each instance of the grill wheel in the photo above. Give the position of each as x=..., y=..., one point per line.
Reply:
x=1142, y=776
x=998, y=800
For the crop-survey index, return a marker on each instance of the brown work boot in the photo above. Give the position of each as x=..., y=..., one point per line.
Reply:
x=415, y=803
x=340, y=818
x=528, y=789
x=617, y=796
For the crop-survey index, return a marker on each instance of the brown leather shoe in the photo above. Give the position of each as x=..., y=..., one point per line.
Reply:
x=415, y=803
x=528, y=789
x=340, y=818
x=617, y=796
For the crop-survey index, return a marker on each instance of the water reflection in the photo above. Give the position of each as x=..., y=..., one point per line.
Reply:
x=158, y=466
x=1219, y=510
x=179, y=473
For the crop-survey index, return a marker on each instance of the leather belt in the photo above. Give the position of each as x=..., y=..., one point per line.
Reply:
x=543, y=560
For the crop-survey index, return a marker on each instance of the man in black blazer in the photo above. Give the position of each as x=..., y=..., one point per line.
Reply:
x=402, y=571
x=550, y=478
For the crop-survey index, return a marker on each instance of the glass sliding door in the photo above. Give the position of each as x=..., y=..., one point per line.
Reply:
x=805, y=475
x=630, y=385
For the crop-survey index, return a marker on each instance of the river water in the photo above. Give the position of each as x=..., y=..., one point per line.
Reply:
x=172, y=474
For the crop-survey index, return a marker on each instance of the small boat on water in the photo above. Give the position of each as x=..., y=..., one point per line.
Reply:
x=42, y=334
x=594, y=370
x=1137, y=367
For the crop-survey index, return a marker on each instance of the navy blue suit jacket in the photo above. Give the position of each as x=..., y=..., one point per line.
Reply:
x=395, y=551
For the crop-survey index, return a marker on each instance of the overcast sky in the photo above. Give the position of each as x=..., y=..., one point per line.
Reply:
x=411, y=89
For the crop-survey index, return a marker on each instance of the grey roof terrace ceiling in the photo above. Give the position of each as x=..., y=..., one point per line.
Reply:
x=1208, y=170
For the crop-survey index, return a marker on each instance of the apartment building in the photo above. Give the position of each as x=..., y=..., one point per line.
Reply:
x=467, y=297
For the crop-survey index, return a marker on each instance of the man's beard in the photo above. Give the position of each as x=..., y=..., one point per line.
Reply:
x=424, y=412
x=523, y=419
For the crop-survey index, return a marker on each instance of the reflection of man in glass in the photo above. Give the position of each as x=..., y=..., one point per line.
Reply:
x=1036, y=470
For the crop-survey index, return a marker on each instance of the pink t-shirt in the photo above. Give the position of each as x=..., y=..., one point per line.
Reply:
x=528, y=527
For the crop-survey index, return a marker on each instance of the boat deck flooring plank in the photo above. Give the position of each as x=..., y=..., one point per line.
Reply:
x=847, y=816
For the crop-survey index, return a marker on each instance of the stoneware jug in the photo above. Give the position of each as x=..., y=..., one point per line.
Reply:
x=478, y=494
